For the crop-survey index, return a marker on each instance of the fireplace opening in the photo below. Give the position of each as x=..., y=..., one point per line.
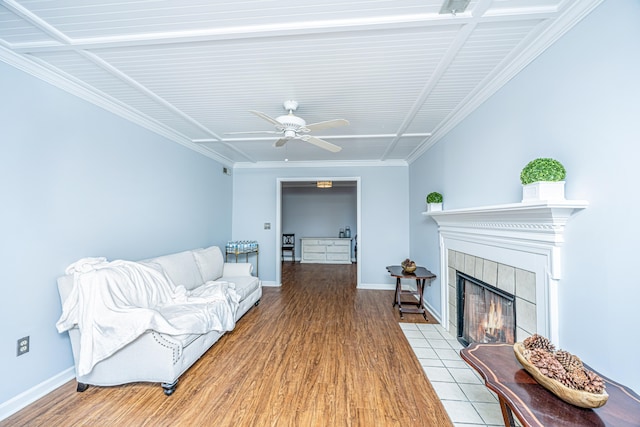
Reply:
x=486, y=314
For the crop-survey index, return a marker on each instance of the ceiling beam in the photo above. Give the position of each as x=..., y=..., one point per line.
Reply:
x=300, y=28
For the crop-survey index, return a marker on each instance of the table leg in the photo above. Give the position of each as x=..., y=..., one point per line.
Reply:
x=420, y=285
x=398, y=296
x=507, y=415
x=396, y=300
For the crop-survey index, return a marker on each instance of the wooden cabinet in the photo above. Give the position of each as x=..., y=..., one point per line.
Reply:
x=326, y=250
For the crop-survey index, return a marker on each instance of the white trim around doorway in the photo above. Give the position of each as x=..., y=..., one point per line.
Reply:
x=278, y=224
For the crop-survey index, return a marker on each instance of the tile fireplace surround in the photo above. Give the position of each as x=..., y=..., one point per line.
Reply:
x=515, y=247
x=516, y=281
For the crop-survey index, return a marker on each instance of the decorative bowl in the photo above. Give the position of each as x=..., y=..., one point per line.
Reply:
x=579, y=398
x=409, y=268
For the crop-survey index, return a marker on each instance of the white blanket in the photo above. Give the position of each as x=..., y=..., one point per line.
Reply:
x=113, y=303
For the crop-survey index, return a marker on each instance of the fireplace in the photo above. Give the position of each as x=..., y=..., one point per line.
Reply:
x=516, y=248
x=486, y=314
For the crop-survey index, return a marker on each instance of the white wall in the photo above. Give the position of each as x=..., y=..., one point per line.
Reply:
x=385, y=218
x=76, y=181
x=318, y=212
x=578, y=103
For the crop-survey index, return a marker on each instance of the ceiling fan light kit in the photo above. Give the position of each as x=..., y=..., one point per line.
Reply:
x=291, y=127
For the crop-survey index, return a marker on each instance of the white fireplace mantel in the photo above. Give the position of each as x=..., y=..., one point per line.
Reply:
x=542, y=221
x=526, y=235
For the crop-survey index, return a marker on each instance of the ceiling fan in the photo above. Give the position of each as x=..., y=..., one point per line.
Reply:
x=291, y=126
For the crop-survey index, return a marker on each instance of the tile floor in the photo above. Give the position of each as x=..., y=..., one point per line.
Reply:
x=462, y=391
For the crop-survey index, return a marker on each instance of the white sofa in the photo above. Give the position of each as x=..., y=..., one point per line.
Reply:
x=157, y=357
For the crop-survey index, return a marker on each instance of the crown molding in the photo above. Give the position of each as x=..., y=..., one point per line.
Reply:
x=321, y=164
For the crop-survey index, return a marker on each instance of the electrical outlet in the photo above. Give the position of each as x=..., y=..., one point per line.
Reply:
x=267, y=226
x=23, y=346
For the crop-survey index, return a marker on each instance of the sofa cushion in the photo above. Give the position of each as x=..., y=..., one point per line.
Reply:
x=245, y=285
x=181, y=269
x=210, y=262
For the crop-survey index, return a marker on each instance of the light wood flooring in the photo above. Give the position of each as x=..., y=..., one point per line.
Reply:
x=315, y=352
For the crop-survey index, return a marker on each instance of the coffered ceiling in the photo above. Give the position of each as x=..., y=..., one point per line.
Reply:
x=402, y=73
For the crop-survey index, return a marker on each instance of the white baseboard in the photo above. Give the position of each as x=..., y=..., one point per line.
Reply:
x=434, y=313
x=378, y=286
x=24, y=399
x=271, y=284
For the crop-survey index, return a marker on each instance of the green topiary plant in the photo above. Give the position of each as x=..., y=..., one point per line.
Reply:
x=434, y=197
x=543, y=169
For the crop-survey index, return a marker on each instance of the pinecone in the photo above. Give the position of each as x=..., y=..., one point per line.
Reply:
x=568, y=360
x=548, y=365
x=578, y=377
x=538, y=341
x=595, y=384
x=568, y=382
x=535, y=355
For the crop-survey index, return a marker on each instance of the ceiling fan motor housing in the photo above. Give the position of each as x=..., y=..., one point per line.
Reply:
x=291, y=122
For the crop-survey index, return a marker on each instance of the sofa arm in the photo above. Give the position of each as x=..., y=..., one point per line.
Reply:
x=231, y=269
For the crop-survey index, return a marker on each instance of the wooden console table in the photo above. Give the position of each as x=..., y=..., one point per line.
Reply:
x=421, y=275
x=534, y=405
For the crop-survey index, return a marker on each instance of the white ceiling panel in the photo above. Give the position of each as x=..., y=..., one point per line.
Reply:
x=14, y=29
x=400, y=72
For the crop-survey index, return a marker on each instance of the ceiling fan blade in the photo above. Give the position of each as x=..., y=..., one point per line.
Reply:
x=281, y=142
x=327, y=124
x=251, y=132
x=321, y=143
x=265, y=117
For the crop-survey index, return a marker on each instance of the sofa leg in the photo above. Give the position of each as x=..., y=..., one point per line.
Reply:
x=257, y=303
x=169, y=388
x=82, y=387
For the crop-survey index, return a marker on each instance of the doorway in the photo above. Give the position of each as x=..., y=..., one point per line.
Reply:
x=284, y=183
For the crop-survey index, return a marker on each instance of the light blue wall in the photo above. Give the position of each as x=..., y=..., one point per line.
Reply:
x=318, y=212
x=384, y=211
x=578, y=103
x=77, y=181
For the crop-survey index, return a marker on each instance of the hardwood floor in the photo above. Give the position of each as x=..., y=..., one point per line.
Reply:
x=315, y=352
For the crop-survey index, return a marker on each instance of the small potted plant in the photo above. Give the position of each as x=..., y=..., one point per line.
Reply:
x=434, y=202
x=543, y=179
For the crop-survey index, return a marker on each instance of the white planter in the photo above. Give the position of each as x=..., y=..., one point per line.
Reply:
x=434, y=207
x=543, y=191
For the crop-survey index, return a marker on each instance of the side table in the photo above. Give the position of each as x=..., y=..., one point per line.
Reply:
x=421, y=275
x=520, y=394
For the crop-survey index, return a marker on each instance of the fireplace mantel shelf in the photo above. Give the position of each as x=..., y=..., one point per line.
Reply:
x=513, y=210
x=543, y=216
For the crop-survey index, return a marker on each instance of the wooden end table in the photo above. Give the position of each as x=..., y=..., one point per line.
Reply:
x=520, y=394
x=421, y=275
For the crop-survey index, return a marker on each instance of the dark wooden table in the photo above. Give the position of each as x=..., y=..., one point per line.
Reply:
x=534, y=405
x=421, y=275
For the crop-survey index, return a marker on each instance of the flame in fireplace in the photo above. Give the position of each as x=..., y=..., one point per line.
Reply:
x=488, y=315
x=494, y=319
